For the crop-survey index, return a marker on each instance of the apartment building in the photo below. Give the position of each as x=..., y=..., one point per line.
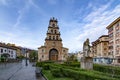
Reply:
x=8, y=50
x=100, y=50
x=114, y=39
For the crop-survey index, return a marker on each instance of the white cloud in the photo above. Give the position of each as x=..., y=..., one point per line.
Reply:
x=73, y=33
x=16, y=32
x=21, y=13
x=97, y=22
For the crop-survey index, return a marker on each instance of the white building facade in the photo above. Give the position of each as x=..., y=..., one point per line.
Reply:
x=11, y=52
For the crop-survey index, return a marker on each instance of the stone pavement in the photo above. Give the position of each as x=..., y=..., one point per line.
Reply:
x=18, y=71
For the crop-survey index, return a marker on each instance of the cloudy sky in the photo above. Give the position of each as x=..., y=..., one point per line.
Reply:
x=25, y=22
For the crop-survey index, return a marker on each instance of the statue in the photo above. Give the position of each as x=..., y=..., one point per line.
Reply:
x=86, y=60
x=86, y=48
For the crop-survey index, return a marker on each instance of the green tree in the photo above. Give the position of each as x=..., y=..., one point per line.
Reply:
x=72, y=58
x=4, y=57
x=33, y=55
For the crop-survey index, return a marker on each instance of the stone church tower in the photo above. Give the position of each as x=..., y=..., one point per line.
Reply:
x=53, y=48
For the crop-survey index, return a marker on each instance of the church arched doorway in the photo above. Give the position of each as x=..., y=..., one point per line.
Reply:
x=53, y=55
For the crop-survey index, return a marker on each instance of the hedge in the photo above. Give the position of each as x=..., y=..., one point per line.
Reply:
x=76, y=73
x=107, y=69
x=98, y=67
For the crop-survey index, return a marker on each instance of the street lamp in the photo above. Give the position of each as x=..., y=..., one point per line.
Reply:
x=26, y=58
x=0, y=57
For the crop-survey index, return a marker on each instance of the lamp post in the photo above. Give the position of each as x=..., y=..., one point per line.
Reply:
x=26, y=58
x=0, y=57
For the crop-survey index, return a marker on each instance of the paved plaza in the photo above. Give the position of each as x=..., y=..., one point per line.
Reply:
x=18, y=71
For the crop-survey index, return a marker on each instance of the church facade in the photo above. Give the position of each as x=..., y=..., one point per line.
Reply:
x=53, y=48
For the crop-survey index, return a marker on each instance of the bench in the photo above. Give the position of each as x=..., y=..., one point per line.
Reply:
x=38, y=72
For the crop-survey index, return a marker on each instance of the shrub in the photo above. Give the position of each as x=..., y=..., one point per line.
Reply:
x=72, y=64
x=76, y=73
x=79, y=74
x=97, y=67
x=56, y=73
x=107, y=69
x=46, y=67
x=84, y=75
x=2, y=59
x=39, y=64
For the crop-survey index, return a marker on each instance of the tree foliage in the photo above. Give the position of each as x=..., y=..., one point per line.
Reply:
x=72, y=58
x=33, y=55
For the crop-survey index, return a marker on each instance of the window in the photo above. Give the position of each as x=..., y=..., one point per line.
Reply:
x=110, y=47
x=105, y=43
x=11, y=55
x=42, y=56
x=117, y=51
x=49, y=37
x=5, y=50
x=111, y=29
x=117, y=41
x=11, y=52
x=118, y=60
x=105, y=48
x=117, y=34
x=63, y=50
x=55, y=31
x=95, y=59
x=110, y=35
x=117, y=24
x=53, y=37
x=42, y=50
x=109, y=53
x=51, y=31
x=1, y=50
x=104, y=54
x=57, y=37
x=53, y=25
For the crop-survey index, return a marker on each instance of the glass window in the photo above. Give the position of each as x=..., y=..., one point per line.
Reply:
x=49, y=37
x=63, y=50
x=1, y=50
x=111, y=29
x=11, y=55
x=110, y=35
x=42, y=56
x=105, y=48
x=55, y=31
x=42, y=50
x=105, y=43
x=57, y=37
x=11, y=52
x=5, y=50
x=51, y=31
x=53, y=25
x=53, y=37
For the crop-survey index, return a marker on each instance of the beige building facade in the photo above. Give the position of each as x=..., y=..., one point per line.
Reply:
x=100, y=47
x=114, y=39
x=53, y=48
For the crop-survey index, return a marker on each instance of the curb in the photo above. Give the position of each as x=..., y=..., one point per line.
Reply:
x=44, y=76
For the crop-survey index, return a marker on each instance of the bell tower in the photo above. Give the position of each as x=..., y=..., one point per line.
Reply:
x=53, y=33
x=53, y=48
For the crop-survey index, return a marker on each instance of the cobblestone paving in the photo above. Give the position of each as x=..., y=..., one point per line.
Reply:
x=18, y=71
